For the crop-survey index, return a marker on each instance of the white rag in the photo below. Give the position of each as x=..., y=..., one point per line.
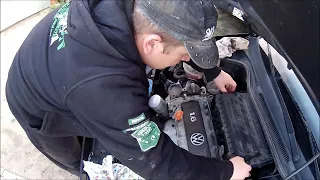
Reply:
x=109, y=171
x=228, y=45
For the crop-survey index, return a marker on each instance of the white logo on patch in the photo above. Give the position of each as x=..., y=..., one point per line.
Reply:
x=209, y=34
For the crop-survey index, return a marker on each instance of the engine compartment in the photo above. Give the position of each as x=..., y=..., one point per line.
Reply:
x=250, y=122
x=217, y=125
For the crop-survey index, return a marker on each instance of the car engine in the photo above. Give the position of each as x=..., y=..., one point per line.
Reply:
x=218, y=125
x=194, y=132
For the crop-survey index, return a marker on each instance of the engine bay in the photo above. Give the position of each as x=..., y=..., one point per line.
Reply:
x=251, y=122
x=209, y=123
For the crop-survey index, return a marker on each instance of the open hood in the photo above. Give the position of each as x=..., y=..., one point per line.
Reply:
x=292, y=28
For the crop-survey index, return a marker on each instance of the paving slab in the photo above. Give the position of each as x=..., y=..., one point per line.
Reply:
x=8, y=175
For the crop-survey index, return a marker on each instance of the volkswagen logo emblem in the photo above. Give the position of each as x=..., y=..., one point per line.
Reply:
x=197, y=139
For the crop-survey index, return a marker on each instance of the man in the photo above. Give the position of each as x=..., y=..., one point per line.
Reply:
x=81, y=72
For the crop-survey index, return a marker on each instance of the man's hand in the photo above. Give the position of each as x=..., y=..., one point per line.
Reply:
x=224, y=82
x=241, y=170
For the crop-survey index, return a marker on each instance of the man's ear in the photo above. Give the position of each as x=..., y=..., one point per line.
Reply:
x=151, y=42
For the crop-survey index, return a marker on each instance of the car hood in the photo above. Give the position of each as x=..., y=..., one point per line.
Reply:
x=292, y=28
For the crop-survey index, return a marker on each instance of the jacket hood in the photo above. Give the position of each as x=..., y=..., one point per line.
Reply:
x=105, y=26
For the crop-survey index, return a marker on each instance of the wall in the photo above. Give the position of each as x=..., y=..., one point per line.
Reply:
x=13, y=11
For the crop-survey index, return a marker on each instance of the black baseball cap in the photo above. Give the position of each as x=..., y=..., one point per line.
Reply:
x=191, y=21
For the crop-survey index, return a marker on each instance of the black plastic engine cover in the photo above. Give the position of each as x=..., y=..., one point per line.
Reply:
x=240, y=126
x=195, y=131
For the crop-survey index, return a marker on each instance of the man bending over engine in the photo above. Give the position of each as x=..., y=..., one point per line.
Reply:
x=81, y=72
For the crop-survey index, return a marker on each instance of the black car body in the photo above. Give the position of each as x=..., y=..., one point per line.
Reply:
x=292, y=29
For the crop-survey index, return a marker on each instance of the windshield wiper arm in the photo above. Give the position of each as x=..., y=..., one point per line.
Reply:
x=302, y=167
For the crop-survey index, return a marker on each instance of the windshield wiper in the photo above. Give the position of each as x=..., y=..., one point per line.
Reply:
x=302, y=167
x=286, y=117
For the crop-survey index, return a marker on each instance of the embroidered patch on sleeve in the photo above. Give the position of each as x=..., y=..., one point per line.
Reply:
x=137, y=119
x=59, y=26
x=147, y=136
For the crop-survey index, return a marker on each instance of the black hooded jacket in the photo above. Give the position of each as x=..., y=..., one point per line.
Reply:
x=79, y=73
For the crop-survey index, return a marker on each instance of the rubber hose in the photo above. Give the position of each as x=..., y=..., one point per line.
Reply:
x=179, y=74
